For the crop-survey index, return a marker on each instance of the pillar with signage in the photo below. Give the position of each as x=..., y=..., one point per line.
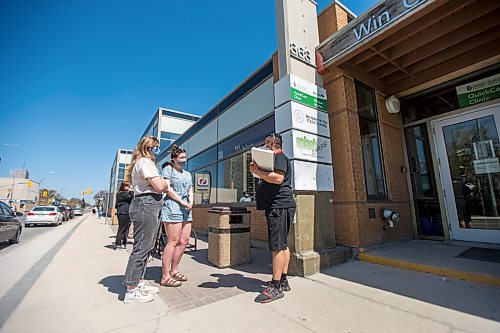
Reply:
x=301, y=117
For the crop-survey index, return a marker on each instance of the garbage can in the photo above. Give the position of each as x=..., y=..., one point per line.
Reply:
x=228, y=236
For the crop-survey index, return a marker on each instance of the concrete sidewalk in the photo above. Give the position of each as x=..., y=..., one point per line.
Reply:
x=81, y=291
x=435, y=257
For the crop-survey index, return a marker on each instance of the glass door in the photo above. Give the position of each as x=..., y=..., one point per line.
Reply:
x=468, y=149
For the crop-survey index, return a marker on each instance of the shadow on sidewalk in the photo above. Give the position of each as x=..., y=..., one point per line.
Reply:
x=233, y=280
x=473, y=298
x=115, y=285
x=261, y=260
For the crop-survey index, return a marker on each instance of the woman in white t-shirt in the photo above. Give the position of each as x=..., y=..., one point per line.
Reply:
x=144, y=210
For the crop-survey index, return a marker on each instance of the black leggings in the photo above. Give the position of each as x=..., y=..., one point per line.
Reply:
x=123, y=226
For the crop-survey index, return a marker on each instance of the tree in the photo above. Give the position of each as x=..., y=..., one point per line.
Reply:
x=100, y=196
x=75, y=202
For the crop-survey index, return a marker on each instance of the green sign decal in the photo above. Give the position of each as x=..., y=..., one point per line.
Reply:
x=315, y=102
x=479, y=92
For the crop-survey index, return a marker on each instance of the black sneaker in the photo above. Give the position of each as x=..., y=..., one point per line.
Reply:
x=271, y=293
x=285, y=286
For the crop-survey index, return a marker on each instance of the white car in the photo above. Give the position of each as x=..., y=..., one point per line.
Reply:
x=44, y=215
x=78, y=211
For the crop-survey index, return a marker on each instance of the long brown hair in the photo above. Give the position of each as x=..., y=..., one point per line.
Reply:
x=143, y=149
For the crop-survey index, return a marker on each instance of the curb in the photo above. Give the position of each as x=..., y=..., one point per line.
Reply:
x=436, y=270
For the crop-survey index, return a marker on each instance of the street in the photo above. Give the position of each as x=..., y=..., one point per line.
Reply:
x=23, y=263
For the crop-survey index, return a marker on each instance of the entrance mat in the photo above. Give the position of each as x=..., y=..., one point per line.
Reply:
x=480, y=253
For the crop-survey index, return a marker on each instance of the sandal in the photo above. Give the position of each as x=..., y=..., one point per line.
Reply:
x=179, y=277
x=171, y=282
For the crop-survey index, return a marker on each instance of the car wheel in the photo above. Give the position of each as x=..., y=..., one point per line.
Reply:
x=16, y=238
x=27, y=225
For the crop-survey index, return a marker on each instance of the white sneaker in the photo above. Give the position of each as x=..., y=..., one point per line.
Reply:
x=138, y=296
x=148, y=289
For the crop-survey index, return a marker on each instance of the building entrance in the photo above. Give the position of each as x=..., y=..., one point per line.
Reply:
x=468, y=151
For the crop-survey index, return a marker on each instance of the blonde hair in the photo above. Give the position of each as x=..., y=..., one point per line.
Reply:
x=143, y=149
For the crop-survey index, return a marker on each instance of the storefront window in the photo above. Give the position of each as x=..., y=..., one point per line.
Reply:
x=207, y=157
x=425, y=196
x=370, y=141
x=234, y=179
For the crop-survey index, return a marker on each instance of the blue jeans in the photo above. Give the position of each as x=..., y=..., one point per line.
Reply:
x=144, y=214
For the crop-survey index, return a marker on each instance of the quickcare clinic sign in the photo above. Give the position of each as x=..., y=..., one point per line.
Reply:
x=479, y=91
x=301, y=91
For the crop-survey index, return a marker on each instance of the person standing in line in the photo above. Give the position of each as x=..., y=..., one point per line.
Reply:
x=144, y=209
x=176, y=216
x=93, y=210
x=275, y=196
x=99, y=211
x=123, y=199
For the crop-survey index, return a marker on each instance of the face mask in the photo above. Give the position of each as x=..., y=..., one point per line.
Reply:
x=182, y=162
x=247, y=195
x=156, y=151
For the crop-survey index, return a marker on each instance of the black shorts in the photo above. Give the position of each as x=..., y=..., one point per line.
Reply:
x=278, y=226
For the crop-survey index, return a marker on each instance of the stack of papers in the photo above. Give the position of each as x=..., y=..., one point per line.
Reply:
x=264, y=158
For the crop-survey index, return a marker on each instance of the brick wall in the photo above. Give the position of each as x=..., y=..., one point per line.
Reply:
x=352, y=223
x=331, y=20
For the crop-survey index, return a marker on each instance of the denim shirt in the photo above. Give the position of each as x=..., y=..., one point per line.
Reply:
x=180, y=183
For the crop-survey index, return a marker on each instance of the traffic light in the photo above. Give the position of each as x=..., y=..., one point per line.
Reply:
x=83, y=193
x=89, y=191
x=44, y=194
x=30, y=183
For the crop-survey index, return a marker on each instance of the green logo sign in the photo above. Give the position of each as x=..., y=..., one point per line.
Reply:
x=479, y=92
x=315, y=102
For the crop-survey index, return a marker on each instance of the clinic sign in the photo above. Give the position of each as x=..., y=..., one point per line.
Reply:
x=479, y=91
x=367, y=26
x=298, y=90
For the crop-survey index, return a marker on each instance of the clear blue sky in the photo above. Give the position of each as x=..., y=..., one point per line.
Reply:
x=80, y=79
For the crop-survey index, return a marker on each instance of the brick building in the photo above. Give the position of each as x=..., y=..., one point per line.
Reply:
x=401, y=106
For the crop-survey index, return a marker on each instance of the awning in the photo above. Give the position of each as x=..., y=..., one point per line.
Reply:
x=402, y=44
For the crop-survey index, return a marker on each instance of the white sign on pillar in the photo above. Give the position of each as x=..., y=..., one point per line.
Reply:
x=301, y=106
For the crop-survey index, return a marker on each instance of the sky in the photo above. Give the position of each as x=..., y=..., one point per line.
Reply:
x=81, y=79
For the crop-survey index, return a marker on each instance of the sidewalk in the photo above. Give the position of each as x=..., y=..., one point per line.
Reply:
x=81, y=291
x=435, y=257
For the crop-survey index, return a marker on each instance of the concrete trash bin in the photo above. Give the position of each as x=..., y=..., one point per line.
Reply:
x=228, y=236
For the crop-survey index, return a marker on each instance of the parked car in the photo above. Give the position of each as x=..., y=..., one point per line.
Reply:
x=10, y=226
x=78, y=211
x=71, y=212
x=64, y=212
x=44, y=215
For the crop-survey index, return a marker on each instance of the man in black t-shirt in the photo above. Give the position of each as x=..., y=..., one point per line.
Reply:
x=275, y=196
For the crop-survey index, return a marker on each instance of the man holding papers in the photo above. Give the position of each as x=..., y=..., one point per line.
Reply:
x=275, y=196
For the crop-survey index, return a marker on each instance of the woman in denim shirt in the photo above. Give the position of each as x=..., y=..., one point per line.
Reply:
x=176, y=216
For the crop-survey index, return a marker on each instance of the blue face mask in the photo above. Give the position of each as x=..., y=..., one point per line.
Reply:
x=156, y=151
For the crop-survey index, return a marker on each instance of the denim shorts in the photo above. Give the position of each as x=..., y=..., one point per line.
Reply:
x=183, y=215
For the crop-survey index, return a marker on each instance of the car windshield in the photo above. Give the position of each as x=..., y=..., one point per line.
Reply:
x=43, y=209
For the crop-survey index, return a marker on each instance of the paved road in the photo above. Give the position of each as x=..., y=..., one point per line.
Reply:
x=23, y=263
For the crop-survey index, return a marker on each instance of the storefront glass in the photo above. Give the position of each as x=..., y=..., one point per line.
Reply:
x=370, y=141
x=425, y=196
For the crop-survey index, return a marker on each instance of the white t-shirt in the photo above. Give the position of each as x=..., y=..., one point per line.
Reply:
x=143, y=168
